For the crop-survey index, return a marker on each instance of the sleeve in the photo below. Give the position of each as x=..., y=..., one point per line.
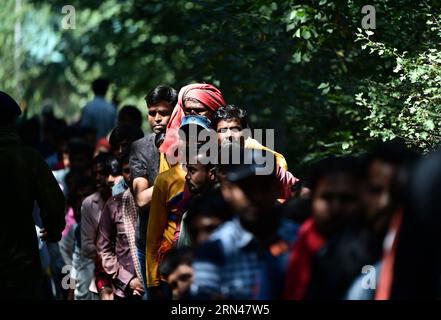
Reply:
x=50, y=199
x=286, y=181
x=155, y=230
x=138, y=168
x=106, y=249
x=88, y=230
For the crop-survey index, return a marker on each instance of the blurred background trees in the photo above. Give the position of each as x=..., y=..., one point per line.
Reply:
x=304, y=68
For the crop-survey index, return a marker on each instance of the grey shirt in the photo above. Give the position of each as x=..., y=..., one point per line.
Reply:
x=144, y=162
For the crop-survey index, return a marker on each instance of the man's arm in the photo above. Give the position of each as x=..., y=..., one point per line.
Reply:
x=88, y=230
x=143, y=193
x=50, y=199
x=138, y=166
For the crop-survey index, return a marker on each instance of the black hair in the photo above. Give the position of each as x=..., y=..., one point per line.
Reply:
x=101, y=158
x=131, y=113
x=174, y=258
x=112, y=166
x=9, y=110
x=297, y=209
x=100, y=86
x=209, y=204
x=344, y=164
x=243, y=163
x=76, y=146
x=125, y=132
x=228, y=113
x=302, y=183
x=393, y=151
x=162, y=94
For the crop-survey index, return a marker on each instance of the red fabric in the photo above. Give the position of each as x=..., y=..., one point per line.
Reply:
x=387, y=269
x=102, y=279
x=207, y=94
x=286, y=181
x=58, y=166
x=103, y=142
x=299, y=270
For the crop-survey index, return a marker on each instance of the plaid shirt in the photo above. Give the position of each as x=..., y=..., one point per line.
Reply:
x=232, y=265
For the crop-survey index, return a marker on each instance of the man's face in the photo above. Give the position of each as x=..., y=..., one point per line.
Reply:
x=197, y=177
x=111, y=180
x=377, y=195
x=202, y=227
x=104, y=180
x=334, y=202
x=180, y=280
x=252, y=198
x=100, y=176
x=159, y=115
x=229, y=132
x=126, y=173
x=195, y=108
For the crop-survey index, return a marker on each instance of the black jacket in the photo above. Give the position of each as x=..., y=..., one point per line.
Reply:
x=25, y=179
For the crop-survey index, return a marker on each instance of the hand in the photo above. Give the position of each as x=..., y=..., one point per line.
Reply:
x=106, y=293
x=137, y=287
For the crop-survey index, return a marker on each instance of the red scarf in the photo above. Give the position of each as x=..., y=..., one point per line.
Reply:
x=207, y=94
x=298, y=276
x=388, y=262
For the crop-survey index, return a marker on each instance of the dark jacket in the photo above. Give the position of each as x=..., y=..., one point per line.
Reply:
x=26, y=179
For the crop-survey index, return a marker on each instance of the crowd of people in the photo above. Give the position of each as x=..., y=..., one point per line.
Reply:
x=99, y=210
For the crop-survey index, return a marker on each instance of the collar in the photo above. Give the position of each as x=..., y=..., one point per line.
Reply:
x=242, y=237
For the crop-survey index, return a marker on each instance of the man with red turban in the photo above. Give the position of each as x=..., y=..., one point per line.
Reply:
x=193, y=99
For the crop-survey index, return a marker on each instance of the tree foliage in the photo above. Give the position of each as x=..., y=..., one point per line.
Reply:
x=300, y=67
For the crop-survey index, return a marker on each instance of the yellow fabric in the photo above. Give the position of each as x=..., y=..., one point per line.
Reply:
x=167, y=185
x=163, y=163
x=250, y=143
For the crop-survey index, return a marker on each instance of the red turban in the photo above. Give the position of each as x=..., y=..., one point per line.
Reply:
x=207, y=94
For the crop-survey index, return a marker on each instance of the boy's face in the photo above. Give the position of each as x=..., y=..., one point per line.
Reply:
x=180, y=280
x=159, y=115
x=122, y=147
x=126, y=173
x=229, y=132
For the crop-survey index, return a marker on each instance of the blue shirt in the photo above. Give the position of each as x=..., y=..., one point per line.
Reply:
x=99, y=114
x=232, y=265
